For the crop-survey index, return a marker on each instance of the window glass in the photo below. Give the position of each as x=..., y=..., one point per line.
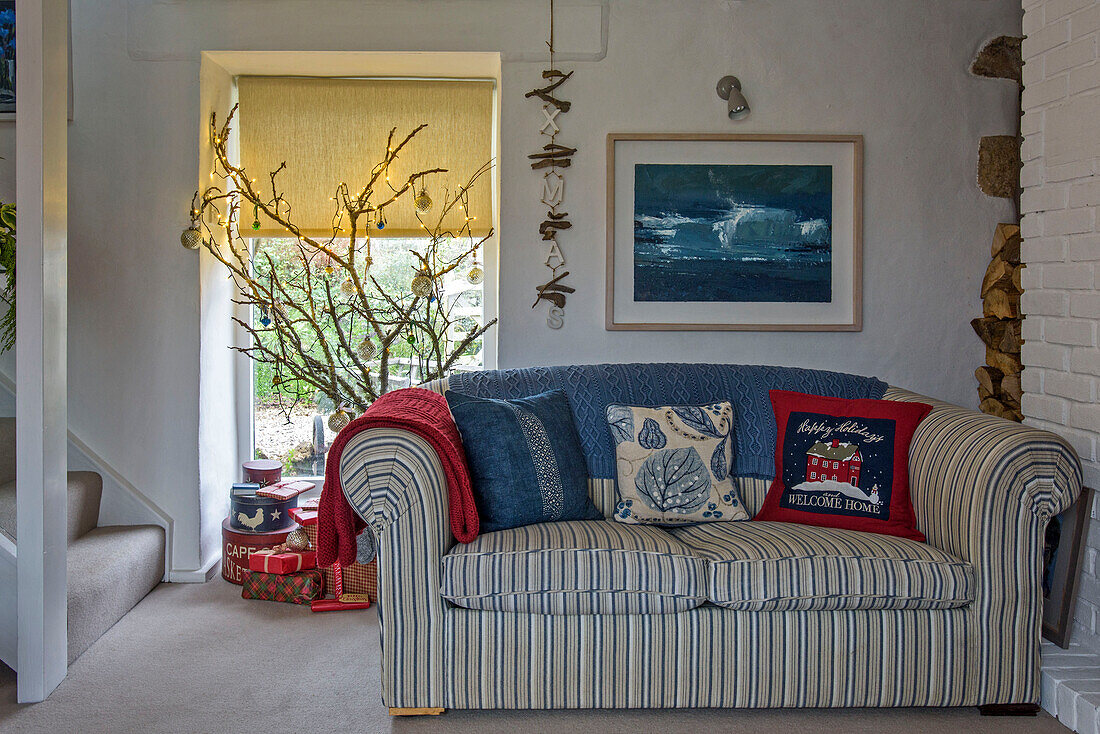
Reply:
x=290, y=420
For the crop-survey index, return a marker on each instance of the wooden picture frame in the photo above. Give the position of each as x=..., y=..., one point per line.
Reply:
x=1063, y=551
x=651, y=290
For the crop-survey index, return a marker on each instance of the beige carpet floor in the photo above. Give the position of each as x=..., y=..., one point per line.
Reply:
x=198, y=658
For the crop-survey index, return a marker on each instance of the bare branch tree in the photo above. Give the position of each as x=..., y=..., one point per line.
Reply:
x=326, y=324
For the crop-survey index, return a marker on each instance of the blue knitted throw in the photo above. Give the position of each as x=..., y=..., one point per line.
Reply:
x=592, y=387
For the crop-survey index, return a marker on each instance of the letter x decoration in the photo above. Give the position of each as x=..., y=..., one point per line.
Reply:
x=548, y=161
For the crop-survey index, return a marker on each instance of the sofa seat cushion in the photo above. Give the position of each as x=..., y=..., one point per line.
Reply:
x=774, y=566
x=578, y=567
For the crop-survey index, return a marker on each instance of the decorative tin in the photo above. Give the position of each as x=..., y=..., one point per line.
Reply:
x=263, y=471
x=237, y=546
x=250, y=512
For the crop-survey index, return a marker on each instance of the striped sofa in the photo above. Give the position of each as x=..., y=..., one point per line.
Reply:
x=599, y=614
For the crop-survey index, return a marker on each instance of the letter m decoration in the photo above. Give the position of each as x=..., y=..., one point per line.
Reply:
x=553, y=189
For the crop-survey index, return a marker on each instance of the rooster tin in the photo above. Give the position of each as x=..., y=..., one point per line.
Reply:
x=253, y=513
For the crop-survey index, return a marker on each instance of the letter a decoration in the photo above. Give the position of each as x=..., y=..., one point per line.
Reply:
x=550, y=158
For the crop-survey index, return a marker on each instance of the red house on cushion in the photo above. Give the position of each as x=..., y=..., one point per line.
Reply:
x=838, y=462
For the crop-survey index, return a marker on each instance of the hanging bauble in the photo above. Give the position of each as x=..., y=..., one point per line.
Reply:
x=191, y=238
x=338, y=420
x=265, y=318
x=421, y=284
x=367, y=349
x=381, y=220
x=329, y=270
x=276, y=381
x=348, y=287
x=476, y=275
x=423, y=202
x=256, y=217
x=298, y=541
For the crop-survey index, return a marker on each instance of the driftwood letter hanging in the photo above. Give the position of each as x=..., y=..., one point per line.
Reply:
x=549, y=160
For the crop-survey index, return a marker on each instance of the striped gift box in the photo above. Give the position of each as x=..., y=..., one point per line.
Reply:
x=358, y=578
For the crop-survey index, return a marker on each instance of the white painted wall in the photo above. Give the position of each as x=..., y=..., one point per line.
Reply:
x=893, y=71
x=1061, y=229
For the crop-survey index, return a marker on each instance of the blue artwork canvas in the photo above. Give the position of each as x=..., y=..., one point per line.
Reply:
x=733, y=233
x=7, y=56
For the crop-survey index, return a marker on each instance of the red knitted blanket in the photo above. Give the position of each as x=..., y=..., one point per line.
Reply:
x=419, y=411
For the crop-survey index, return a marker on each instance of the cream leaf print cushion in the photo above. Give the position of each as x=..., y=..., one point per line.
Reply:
x=674, y=464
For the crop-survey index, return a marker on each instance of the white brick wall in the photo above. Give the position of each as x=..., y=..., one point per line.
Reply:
x=1061, y=181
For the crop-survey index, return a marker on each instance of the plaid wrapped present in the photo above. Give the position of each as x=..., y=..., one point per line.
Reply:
x=359, y=579
x=297, y=588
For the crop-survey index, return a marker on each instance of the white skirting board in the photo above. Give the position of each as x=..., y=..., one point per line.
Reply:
x=198, y=575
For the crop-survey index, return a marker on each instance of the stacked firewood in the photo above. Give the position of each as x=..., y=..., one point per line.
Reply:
x=999, y=328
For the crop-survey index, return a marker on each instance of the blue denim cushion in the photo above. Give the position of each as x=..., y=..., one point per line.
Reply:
x=525, y=459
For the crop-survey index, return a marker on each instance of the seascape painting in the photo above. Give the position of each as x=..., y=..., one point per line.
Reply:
x=733, y=233
x=7, y=56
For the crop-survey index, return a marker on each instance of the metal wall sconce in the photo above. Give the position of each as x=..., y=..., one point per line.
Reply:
x=729, y=88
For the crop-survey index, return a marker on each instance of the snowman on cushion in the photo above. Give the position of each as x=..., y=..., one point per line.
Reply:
x=873, y=495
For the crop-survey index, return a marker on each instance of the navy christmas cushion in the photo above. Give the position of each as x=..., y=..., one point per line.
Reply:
x=843, y=463
x=525, y=459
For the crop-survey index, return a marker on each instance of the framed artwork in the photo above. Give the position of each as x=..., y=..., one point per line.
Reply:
x=734, y=232
x=7, y=62
x=1063, y=548
x=7, y=58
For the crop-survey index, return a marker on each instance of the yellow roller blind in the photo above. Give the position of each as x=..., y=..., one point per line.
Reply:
x=334, y=130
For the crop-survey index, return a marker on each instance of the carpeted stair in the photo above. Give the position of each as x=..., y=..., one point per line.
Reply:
x=109, y=569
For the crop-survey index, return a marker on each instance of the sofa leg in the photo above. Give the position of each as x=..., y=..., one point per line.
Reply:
x=1009, y=709
x=416, y=712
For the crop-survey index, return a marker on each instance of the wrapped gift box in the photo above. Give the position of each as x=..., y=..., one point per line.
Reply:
x=359, y=579
x=270, y=561
x=237, y=546
x=297, y=588
x=285, y=490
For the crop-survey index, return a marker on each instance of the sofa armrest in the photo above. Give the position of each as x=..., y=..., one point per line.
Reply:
x=970, y=473
x=983, y=489
x=394, y=480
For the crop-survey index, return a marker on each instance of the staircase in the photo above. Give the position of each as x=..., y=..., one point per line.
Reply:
x=110, y=569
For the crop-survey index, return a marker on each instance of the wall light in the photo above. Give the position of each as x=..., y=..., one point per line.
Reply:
x=729, y=88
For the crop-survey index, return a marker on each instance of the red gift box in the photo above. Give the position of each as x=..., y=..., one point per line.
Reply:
x=304, y=518
x=297, y=588
x=285, y=490
x=270, y=561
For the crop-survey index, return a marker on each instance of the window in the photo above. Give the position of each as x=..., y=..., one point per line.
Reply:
x=813, y=475
x=814, y=462
x=332, y=131
x=290, y=424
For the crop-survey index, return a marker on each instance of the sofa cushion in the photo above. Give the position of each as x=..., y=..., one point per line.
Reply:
x=580, y=567
x=525, y=459
x=772, y=566
x=674, y=464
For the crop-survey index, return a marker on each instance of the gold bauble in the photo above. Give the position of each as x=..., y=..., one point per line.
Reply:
x=421, y=285
x=191, y=238
x=423, y=202
x=367, y=349
x=475, y=276
x=348, y=287
x=298, y=541
x=338, y=420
